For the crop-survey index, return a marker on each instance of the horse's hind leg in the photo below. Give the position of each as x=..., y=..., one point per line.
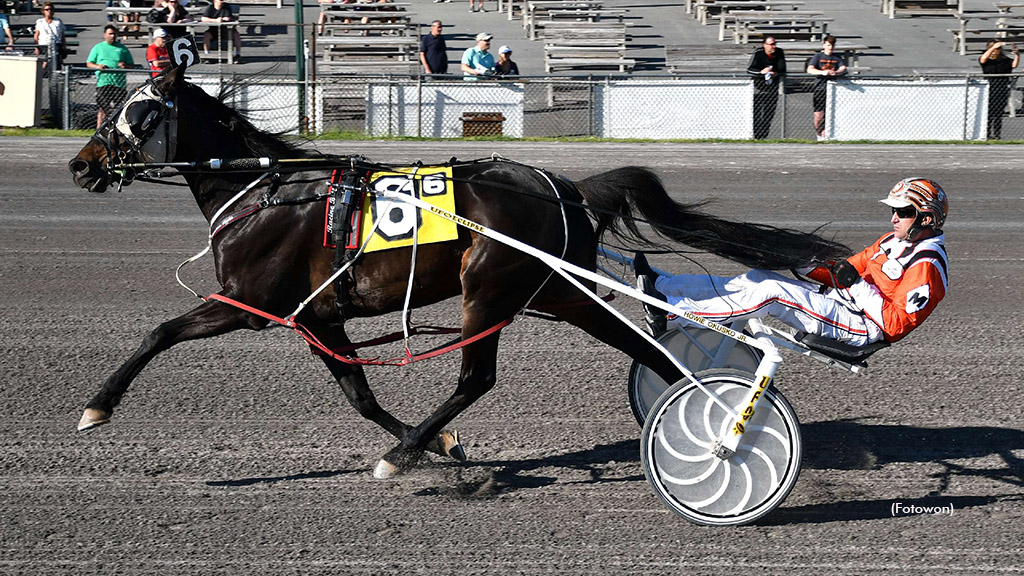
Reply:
x=209, y=319
x=601, y=324
x=479, y=373
x=353, y=382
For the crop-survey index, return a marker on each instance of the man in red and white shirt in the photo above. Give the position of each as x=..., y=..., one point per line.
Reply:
x=883, y=292
x=156, y=53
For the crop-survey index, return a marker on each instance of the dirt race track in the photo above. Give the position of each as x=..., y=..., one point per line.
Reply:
x=241, y=455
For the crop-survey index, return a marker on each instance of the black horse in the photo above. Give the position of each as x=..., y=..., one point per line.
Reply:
x=276, y=257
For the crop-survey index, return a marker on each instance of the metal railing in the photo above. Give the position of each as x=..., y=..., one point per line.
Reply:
x=940, y=107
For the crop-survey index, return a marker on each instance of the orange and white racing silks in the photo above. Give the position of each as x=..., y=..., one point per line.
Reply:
x=901, y=282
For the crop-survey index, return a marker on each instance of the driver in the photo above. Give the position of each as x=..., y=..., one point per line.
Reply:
x=883, y=292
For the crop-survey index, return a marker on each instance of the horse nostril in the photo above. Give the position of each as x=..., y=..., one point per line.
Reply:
x=78, y=166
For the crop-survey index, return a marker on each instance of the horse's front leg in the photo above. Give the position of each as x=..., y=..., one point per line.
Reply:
x=352, y=380
x=209, y=319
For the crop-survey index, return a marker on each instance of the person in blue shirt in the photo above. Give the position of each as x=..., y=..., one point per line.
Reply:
x=434, y=51
x=6, y=25
x=506, y=66
x=477, y=61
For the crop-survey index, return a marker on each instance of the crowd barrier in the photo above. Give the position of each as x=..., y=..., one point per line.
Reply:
x=879, y=108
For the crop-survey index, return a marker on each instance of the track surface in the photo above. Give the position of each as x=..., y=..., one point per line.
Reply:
x=240, y=455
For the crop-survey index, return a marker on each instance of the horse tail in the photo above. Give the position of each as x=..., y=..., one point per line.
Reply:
x=615, y=195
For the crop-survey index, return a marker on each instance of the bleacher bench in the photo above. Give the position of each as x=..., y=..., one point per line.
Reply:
x=983, y=35
x=363, y=67
x=568, y=45
x=24, y=38
x=707, y=58
x=593, y=16
x=373, y=47
x=277, y=3
x=358, y=28
x=918, y=8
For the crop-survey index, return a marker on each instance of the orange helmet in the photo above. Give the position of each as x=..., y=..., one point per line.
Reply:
x=925, y=195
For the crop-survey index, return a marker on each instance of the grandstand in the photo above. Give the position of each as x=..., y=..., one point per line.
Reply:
x=898, y=45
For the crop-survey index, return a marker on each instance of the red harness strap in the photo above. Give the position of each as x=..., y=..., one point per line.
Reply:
x=319, y=348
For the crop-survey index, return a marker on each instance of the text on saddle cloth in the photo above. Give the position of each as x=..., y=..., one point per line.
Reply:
x=351, y=217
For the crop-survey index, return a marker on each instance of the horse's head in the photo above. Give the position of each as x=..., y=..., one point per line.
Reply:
x=143, y=129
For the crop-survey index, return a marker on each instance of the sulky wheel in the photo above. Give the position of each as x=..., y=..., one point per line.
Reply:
x=701, y=487
x=695, y=348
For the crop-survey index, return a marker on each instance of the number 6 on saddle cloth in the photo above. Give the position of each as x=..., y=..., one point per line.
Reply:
x=351, y=213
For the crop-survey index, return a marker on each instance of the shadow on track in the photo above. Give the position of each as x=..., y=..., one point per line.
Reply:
x=504, y=476
x=838, y=445
x=851, y=445
x=276, y=479
x=876, y=509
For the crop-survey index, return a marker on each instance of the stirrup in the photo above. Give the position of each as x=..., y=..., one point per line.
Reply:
x=657, y=321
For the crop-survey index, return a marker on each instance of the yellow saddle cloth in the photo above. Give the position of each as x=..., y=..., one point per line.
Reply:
x=399, y=221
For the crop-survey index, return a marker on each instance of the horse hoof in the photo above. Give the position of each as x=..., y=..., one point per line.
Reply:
x=92, y=418
x=448, y=444
x=385, y=470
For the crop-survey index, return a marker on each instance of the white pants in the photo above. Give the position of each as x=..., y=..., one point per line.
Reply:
x=760, y=293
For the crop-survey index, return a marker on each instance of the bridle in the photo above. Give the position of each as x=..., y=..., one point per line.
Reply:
x=144, y=127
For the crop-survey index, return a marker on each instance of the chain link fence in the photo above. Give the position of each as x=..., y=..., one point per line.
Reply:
x=950, y=108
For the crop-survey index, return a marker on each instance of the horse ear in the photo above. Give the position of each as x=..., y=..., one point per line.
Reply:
x=169, y=81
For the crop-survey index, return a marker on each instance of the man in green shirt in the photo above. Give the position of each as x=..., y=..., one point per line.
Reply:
x=108, y=57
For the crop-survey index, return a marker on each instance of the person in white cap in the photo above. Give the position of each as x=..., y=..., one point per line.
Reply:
x=883, y=292
x=477, y=61
x=505, y=65
x=156, y=53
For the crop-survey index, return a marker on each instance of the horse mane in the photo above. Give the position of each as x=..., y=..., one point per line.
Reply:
x=260, y=142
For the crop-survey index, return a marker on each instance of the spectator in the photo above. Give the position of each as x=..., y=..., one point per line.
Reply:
x=176, y=14
x=111, y=85
x=479, y=6
x=477, y=61
x=156, y=53
x=322, y=19
x=50, y=33
x=6, y=25
x=993, y=61
x=433, y=50
x=220, y=11
x=131, y=19
x=505, y=65
x=768, y=67
x=827, y=66
x=366, y=19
